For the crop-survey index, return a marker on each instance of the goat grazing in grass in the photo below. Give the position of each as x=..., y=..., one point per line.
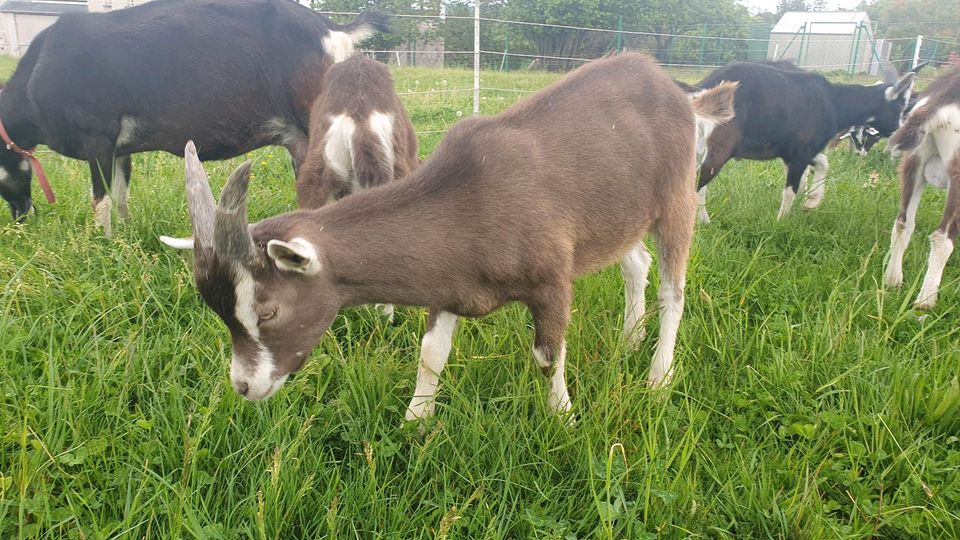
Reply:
x=360, y=134
x=930, y=143
x=233, y=75
x=509, y=208
x=791, y=114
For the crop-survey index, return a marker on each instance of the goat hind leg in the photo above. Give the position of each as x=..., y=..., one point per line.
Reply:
x=551, y=315
x=121, y=183
x=101, y=171
x=820, y=166
x=795, y=172
x=911, y=188
x=673, y=234
x=941, y=241
x=635, y=266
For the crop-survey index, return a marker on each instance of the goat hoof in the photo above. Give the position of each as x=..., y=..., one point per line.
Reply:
x=635, y=339
x=812, y=204
x=893, y=281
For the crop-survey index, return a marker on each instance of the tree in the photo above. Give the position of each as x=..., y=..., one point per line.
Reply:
x=938, y=21
x=784, y=6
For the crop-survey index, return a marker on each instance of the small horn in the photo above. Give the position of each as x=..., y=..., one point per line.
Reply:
x=888, y=72
x=231, y=235
x=199, y=198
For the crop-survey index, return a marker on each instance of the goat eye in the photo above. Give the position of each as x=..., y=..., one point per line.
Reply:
x=263, y=317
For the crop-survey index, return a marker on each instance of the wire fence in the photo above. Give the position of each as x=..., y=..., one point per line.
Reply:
x=848, y=52
x=853, y=48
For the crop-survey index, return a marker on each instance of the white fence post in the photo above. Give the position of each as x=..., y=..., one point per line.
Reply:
x=476, y=57
x=916, y=51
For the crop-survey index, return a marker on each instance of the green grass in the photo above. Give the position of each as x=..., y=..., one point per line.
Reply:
x=809, y=402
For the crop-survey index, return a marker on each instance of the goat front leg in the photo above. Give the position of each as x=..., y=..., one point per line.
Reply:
x=820, y=166
x=551, y=315
x=635, y=266
x=434, y=350
x=911, y=187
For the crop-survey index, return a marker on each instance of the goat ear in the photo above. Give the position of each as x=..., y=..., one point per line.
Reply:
x=297, y=255
x=178, y=243
x=895, y=91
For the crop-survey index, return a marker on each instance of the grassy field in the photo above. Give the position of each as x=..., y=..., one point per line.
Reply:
x=809, y=402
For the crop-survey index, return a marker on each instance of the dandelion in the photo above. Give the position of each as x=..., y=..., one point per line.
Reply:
x=459, y=114
x=263, y=162
x=873, y=180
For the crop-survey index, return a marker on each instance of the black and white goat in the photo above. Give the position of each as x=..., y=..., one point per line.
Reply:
x=509, y=208
x=930, y=143
x=792, y=115
x=232, y=75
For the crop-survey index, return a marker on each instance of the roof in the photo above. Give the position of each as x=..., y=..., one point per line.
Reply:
x=821, y=22
x=43, y=7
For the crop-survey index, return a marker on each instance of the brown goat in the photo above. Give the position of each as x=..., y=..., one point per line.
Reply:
x=930, y=138
x=509, y=208
x=360, y=134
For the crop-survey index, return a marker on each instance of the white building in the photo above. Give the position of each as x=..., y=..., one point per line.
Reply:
x=827, y=41
x=22, y=20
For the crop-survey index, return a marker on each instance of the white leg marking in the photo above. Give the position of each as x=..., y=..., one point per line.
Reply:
x=702, y=215
x=128, y=128
x=387, y=310
x=381, y=125
x=671, y=311
x=338, y=149
x=820, y=167
x=786, y=201
x=635, y=266
x=559, y=399
x=434, y=350
x=101, y=215
x=120, y=187
x=940, y=249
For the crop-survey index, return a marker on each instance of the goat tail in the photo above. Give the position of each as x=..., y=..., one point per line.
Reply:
x=373, y=155
x=715, y=105
x=365, y=25
x=911, y=132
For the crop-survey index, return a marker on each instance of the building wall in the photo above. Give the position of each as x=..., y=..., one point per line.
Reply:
x=824, y=52
x=17, y=30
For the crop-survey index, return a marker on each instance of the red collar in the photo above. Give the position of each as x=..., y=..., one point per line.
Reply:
x=37, y=168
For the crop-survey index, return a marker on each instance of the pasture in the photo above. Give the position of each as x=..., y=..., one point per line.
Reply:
x=809, y=402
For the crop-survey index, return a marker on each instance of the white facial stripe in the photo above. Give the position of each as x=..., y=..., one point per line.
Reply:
x=245, y=289
x=260, y=380
x=339, y=45
x=381, y=124
x=338, y=150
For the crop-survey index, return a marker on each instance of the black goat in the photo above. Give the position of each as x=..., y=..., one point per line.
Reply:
x=233, y=75
x=792, y=114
